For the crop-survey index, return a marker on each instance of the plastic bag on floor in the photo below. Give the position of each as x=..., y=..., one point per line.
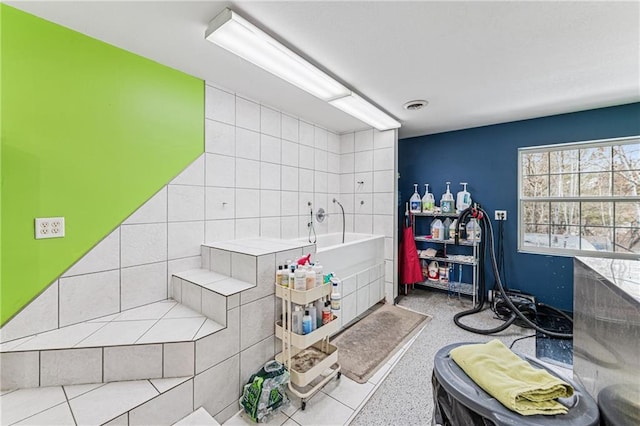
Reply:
x=264, y=396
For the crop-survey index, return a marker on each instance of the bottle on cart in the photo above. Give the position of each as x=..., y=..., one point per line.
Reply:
x=335, y=294
x=299, y=279
x=296, y=320
x=310, y=277
x=428, y=202
x=447, y=204
x=415, y=201
x=312, y=313
x=306, y=323
x=326, y=313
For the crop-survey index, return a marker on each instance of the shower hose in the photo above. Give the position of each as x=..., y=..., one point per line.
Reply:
x=485, y=223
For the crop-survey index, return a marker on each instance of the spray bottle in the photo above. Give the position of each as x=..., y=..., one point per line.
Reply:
x=447, y=203
x=428, y=201
x=463, y=199
x=415, y=201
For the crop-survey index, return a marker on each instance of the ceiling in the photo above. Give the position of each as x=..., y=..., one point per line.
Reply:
x=477, y=63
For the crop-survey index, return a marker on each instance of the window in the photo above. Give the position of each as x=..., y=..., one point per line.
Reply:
x=580, y=198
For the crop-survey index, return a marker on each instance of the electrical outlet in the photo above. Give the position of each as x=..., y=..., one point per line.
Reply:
x=49, y=227
x=501, y=215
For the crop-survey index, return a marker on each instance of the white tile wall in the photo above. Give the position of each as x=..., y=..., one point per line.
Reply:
x=38, y=316
x=19, y=370
x=178, y=359
x=154, y=210
x=140, y=285
x=185, y=239
x=104, y=256
x=132, y=362
x=89, y=296
x=192, y=175
x=207, y=386
x=70, y=367
x=166, y=409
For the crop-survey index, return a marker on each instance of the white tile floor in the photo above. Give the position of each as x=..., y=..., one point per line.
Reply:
x=337, y=403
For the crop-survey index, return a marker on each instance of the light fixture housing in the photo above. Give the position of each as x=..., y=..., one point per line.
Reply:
x=361, y=109
x=240, y=37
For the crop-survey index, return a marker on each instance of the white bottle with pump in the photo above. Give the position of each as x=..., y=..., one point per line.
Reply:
x=415, y=201
x=463, y=199
x=428, y=202
x=447, y=203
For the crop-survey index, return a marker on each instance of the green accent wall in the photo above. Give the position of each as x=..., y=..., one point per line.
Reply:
x=89, y=132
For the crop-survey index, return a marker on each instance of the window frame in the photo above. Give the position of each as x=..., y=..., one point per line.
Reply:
x=547, y=149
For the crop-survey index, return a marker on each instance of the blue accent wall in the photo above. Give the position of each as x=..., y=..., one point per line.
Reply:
x=487, y=158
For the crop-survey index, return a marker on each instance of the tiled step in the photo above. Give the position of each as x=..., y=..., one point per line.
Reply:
x=200, y=417
x=153, y=341
x=140, y=402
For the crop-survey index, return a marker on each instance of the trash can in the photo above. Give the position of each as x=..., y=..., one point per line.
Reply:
x=620, y=405
x=458, y=401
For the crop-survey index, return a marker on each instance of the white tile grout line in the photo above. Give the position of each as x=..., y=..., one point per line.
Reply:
x=399, y=356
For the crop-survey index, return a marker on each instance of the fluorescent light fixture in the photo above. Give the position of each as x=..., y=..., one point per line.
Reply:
x=240, y=37
x=365, y=111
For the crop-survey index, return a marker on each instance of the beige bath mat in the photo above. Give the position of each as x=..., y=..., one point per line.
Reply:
x=365, y=346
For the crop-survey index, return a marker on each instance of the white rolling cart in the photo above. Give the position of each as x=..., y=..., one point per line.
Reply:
x=310, y=356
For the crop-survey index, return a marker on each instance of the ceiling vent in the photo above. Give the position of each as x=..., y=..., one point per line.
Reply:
x=415, y=105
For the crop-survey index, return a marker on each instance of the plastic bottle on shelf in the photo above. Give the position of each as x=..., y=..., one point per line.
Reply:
x=463, y=199
x=279, y=276
x=292, y=276
x=299, y=279
x=452, y=229
x=447, y=203
x=428, y=202
x=314, y=315
x=437, y=230
x=446, y=225
x=474, y=233
x=296, y=320
x=335, y=294
x=326, y=313
x=317, y=268
x=310, y=277
x=306, y=323
x=415, y=201
x=319, y=305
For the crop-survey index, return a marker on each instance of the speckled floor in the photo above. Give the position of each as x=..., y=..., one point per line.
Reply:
x=405, y=397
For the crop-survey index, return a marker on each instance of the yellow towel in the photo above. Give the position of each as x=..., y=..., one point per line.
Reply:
x=512, y=380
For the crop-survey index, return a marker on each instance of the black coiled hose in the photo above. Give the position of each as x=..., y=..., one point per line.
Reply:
x=515, y=313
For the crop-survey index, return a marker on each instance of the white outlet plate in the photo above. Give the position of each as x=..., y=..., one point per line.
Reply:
x=49, y=227
x=501, y=215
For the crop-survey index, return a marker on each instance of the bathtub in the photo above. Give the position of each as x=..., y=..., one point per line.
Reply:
x=359, y=263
